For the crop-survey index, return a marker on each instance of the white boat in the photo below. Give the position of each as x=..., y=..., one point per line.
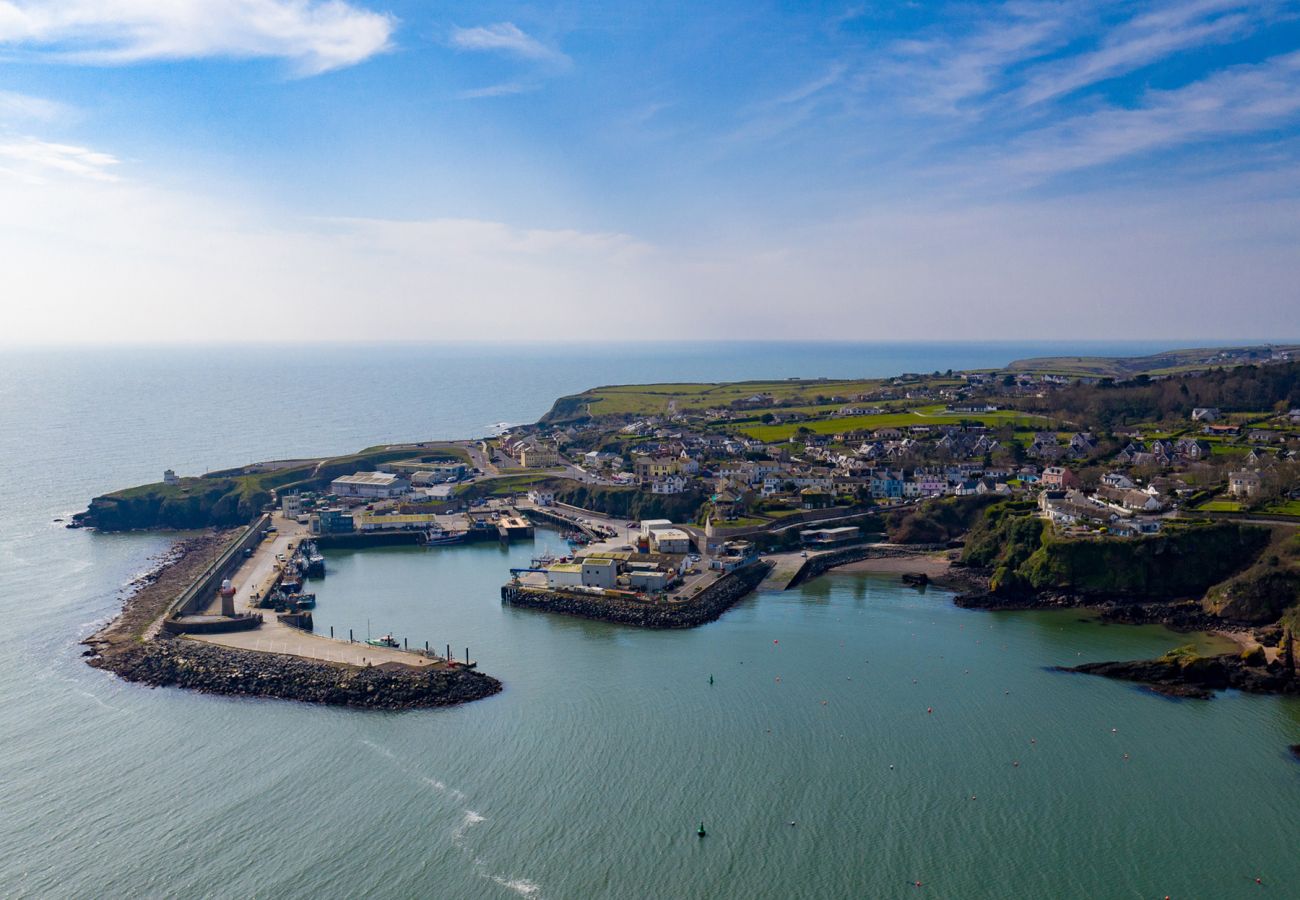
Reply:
x=436, y=537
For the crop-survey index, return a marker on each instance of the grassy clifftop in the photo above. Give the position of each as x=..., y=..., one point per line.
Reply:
x=634, y=400
x=1184, y=561
x=232, y=497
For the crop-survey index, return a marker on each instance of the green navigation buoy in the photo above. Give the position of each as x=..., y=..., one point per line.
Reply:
x=701, y=832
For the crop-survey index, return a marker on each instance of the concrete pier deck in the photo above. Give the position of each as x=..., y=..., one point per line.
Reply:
x=257, y=574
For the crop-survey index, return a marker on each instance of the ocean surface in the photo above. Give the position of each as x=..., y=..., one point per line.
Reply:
x=588, y=775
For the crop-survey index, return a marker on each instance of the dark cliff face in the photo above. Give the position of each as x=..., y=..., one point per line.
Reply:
x=1185, y=562
x=1026, y=559
x=220, y=503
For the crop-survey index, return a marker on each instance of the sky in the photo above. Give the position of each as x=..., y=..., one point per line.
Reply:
x=325, y=170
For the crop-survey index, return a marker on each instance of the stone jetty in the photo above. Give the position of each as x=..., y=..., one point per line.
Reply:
x=706, y=606
x=214, y=669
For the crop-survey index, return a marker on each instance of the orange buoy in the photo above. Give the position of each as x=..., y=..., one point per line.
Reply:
x=929, y=709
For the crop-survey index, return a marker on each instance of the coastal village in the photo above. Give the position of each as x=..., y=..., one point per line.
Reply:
x=674, y=505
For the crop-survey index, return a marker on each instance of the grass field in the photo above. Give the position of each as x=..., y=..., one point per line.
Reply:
x=500, y=487
x=1220, y=506
x=931, y=415
x=742, y=522
x=1284, y=508
x=657, y=399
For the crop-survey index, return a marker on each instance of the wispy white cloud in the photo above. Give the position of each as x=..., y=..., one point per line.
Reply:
x=944, y=73
x=33, y=160
x=505, y=89
x=15, y=106
x=1147, y=38
x=1240, y=100
x=788, y=110
x=315, y=35
x=506, y=37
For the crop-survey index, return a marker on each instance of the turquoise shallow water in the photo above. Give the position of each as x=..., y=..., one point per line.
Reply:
x=588, y=775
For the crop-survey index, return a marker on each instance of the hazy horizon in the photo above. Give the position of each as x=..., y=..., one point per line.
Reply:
x=379, y=168
x=1093, y=346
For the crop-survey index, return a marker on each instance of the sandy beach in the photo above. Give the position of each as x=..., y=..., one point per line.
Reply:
x=934, y=565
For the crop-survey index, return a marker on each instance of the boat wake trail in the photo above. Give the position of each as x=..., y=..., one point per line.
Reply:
x=524, y=887
x=521, y=886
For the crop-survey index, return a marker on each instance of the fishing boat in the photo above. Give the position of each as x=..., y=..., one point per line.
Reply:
x=386, y=641
x=437, y=537
x=313, y=565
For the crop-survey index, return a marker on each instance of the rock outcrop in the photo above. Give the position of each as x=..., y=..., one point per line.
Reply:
x=223, y=670
x=1182, y=673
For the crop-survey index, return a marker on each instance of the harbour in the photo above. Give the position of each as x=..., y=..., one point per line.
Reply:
x=577, y=734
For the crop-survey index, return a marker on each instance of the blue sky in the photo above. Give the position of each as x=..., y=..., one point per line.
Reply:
x=426, y=170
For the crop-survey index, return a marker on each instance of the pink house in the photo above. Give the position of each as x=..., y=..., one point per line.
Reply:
x=1058, y=478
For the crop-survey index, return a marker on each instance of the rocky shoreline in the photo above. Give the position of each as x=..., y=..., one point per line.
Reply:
x=1180, y=615
x=708, y=606
x=1198, y=677
x=130, y=647
x=212, y=669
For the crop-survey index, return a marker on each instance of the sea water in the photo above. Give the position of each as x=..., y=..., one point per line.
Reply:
x=907, y=740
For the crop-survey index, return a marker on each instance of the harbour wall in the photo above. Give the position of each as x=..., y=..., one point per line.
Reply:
x=211, y=624
x=822, y=562
x=196, y=597
x=706, y=606
x=357, y=540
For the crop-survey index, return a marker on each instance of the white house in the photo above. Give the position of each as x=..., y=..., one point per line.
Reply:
x=1244, y=484
x=671, y=484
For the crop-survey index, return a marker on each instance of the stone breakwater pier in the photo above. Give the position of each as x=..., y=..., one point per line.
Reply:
x=704, y=607
x=272, y=660
x=214, y=669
